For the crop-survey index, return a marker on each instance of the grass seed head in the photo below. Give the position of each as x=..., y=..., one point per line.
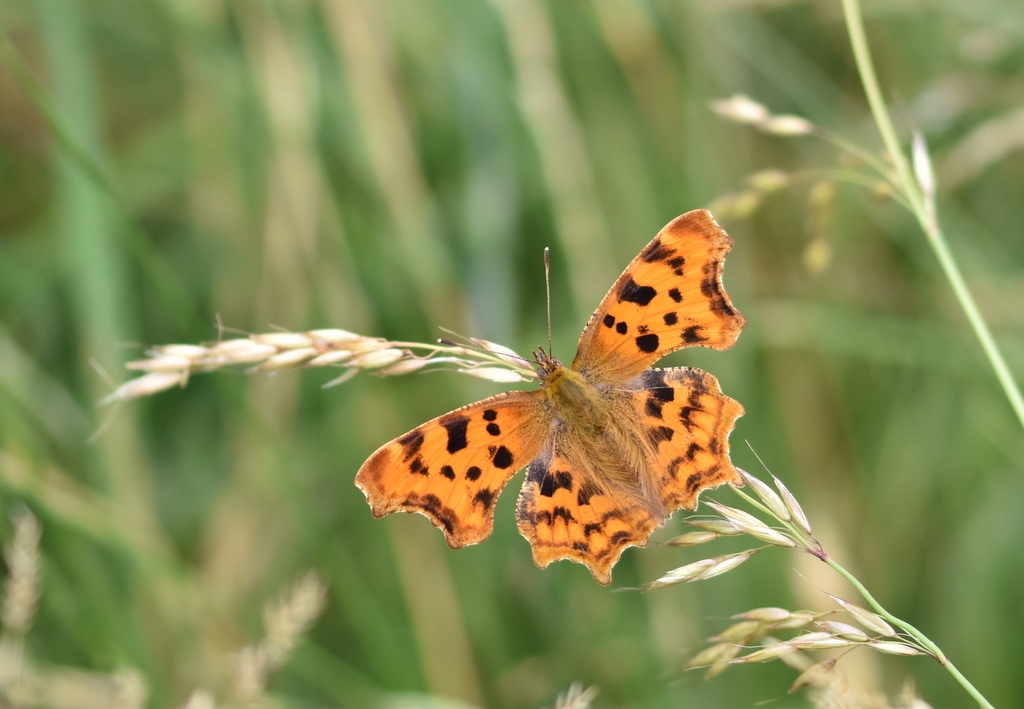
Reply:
x=691, y=539
x=146, y=385
x=330, y=357
x=740, y=108
x=871, y=621
x=767, y=614
x=500, y=375
x=740, y=633
x=753, y=526
x=283, y=340
x=766, y=654
x=376, y=359
x=843, y=630
x=334, y=336
x=892, y=647
x=721, y=527
x=21, y=588
x=768, y=496
x=787, y=125
x=288, y=359
x=794, y=507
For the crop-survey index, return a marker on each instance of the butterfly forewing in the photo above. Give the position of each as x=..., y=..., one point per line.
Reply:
x=671, y=296
x=452, y=468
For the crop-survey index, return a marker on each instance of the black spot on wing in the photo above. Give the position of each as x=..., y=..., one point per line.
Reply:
x=657, y=434
x=473, y=472
x=549, y=517
x=562, y=512
x=673, y=465
x=448, y=471
x=583, y=496
x=693, y=334
x=609, y=320
x=494, y=429
x=433, y=505
x=556, y=481
x=632, y=292
x=416, y=467
x=653, y=407
x=677, y=265
x=675, y=295
x=698, y=387
x=490, y=415
x=547, y=486
x=694, y=481
x=664, y=393
x=653, y=380
x=670, y=319
x=456, y=427
x=691, y=451
x=656, y=251
x=712, y=290
x=648, y=343
x=411, y=442
x=484, y=497
x=501, y=457
x=622, y=328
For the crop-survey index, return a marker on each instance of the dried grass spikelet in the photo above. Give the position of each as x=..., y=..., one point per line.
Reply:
x=285, y=621
x=21, y=588
x=200, y=699
x=821, y=206
x=169, y=366
x=740, y=108
x=576, y=697
x=758, y=635
x=28, y=683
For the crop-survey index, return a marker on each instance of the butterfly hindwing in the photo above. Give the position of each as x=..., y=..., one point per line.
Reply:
x=688, y=421
x=671, y=296
x=452, y=468
x=567, y=512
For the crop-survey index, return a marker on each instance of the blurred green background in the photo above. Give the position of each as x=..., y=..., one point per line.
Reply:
x=393, y=167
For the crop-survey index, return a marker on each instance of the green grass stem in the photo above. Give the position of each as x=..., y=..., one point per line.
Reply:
x=919, y=205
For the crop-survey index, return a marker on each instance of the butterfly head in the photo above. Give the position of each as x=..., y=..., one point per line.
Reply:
x=546, y=364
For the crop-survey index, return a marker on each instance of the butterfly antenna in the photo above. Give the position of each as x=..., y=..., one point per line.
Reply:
x=471, y=343
x=456, y=339
x=547, y=291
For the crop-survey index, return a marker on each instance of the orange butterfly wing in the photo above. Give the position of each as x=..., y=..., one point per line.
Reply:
x=566, y=513
x=688, y=421
x=568, y=509
x=451, y=469
x=671, y=296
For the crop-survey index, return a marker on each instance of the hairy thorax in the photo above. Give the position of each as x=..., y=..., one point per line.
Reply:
x=601, y=433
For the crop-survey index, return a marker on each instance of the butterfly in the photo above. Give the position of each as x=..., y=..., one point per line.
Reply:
x=610, y=445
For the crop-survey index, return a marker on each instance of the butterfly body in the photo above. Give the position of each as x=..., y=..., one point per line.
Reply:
x=576, y=402
x=599, y=433
x=611, y=446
